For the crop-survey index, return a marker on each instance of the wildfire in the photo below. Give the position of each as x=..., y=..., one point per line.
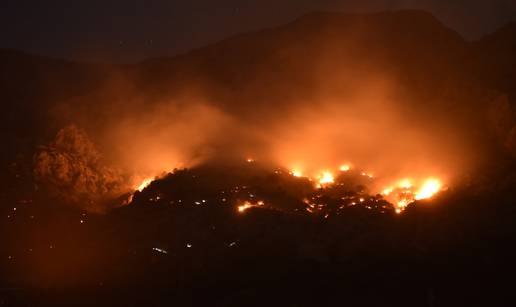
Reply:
x=246, y=205
x=367, y=174
x=406, y=192
x=400, y=193
x=429, y=189
x=387, y=191
x=145, y=183
x=326, y=177
x=405, y=184
x=296, y=173
x=345, y=168
x=402, y=204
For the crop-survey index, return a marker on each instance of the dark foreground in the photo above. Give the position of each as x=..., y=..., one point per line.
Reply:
x=455, y=250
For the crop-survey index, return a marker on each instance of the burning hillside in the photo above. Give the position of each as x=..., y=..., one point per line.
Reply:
x=332, y=157
x=252, y=184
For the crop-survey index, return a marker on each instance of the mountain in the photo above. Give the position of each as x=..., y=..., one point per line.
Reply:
x=249, y=233
x=496, y=52
x=295, y=61
x=31, y=86
x=321, y=56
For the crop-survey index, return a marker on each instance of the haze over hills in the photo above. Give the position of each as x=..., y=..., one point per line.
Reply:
x=362, y=159
x=426, y=72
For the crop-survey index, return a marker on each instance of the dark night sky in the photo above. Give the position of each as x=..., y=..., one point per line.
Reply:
x=129, y=30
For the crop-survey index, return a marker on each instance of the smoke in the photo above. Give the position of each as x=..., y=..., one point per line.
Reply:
x=370, y=128
x=311, y=106
x=71, y=168
x=373, y=129
x=165, y=137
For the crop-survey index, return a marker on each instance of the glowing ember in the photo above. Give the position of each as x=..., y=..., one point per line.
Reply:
x=242, y=208
x=367, y=174
x=145, y=183
x=250, y=160
x=246, y=205
x=159, y=250
x=429, y=188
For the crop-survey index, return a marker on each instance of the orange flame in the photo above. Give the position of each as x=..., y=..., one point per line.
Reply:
x=145, y=183
x=429, y=189
x=326, y=177
x=246, y=205
x=406, y=193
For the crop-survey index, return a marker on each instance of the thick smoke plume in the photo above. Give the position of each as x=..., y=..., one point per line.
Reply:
x=352, y=92
x=370, y=128
x=71, y=168
x=373, y=127
x=165, y=137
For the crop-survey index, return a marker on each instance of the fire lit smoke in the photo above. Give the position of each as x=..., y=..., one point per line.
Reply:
x=402, y=152
x=164, y=138
x=71, y=168
x=352, y=118
x=370, y=133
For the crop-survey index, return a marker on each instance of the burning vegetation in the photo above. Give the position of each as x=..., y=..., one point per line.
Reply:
x=253, y=185
x=327, y=157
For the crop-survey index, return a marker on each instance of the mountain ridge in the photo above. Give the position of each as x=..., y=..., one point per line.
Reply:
x=321, y=53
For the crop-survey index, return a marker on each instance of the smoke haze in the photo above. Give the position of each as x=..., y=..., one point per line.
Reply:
x=343, y=96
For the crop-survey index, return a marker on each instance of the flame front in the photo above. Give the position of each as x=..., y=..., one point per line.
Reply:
x=400, y=193
x=429, y=189
x=326, y=178
x=247, y=205
x=296, y=173
x=406, y=192
x=145, y=183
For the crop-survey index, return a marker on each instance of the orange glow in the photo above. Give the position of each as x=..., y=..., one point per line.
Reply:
x=345, y=168
x=246, y=205
x=405, y=184
x=326, y=177
x=367, y=174
x=296, y=173
x=250, y=160
x=145, y=183
x=402, y=204
x=406, y=192
x=387, y=191
x=429, y=188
